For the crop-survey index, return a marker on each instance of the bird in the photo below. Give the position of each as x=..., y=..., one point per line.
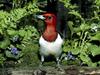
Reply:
x=57, y=7
x=50, y=41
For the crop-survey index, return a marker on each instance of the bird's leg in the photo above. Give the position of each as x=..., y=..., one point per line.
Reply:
x=58, y=64
x=42, y=60
x=40, y=70
x=58, y=61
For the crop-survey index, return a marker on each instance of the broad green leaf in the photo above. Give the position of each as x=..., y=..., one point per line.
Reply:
x=1, y=31
x=22, y=32
x=95, y=50
x=77, y=29
x=84, y=27
x=96, y=37
x=12, y=25
x=84, y=57
x=76, y=51
x=97, y=2
x=91, y=64
x=98, y=62
x=29, y=33
x=2, y=59
x=11, y=32
x=77, y=14
x=10, y=55
x=70, y=24
x=4, y=44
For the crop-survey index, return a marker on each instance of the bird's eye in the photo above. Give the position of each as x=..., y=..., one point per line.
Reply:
x=49, y=17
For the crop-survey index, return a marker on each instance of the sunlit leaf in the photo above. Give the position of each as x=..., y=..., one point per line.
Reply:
x=95, y=50
x=4, y=44
x=96, y=37
x=22, y=32
x=12, y=32
x=84, y=58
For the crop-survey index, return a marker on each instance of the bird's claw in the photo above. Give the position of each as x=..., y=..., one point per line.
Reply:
x=58, y=67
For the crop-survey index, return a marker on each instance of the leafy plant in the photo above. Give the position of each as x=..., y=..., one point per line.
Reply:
x=2, y=59
x=14, y=34
x=82, y=36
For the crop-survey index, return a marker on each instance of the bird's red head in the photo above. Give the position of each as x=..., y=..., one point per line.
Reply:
x=50, y=18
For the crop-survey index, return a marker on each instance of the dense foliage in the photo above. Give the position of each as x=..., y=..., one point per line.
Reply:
x=17, y=31
x=85, y=32
x=19, y=37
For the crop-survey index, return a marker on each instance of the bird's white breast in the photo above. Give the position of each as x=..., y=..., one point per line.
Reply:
x=53, y=48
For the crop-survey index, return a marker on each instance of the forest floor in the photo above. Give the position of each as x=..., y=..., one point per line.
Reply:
x=50, y=70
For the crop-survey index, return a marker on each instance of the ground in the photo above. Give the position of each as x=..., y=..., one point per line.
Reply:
x=50, y=70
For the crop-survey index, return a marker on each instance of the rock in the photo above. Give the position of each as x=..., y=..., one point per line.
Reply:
x=39, y=72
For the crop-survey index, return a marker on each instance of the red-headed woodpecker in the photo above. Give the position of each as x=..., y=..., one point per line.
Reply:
x=50, y=41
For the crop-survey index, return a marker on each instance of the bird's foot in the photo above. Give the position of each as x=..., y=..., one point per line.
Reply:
x=59, y=68
x=41, y=62
x=40, y=66
x=39, y=72
x=58, y=65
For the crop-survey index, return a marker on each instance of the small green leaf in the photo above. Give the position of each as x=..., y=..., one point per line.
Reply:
x=84, y=58
x=76, y=51
x=22, y=32
x=12, y=32
x=84, y=27
x=10, y=55
x=66, y=49
x=77, y=14
x=4, y=44
x=2, y=59
x=29, y=33
x=77, y=29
